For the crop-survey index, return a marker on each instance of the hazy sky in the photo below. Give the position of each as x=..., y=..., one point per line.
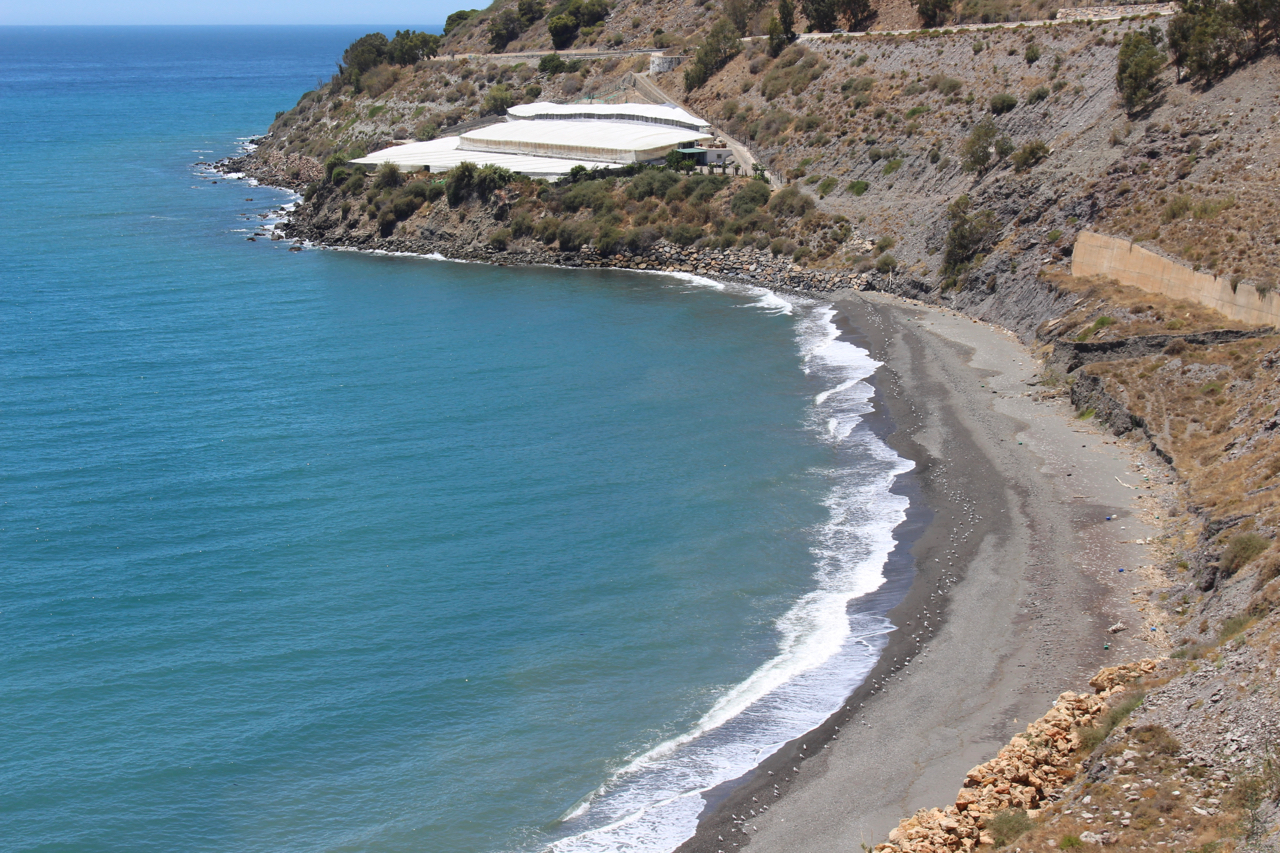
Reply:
x=404, y=13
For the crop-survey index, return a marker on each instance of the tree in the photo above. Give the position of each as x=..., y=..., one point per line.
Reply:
x=821, y=14
x=933, y=12
x=721, y=45
x=504, y=28
x=787, y=17
x=563, y=29
x=1261, y=19
x=971, y=233
x=366, y=52
x=739, y=14
x=459, y=17
x=677, y=161
x=408, y=47
x=530, y=11
x=983, y=144
x=777, y=38
x=1206, y=38
x=854, y=12
x=1138, y=71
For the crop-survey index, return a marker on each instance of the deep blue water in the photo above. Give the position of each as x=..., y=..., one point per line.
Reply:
x=323, y=551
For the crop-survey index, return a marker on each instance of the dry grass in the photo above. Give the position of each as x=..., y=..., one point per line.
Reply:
x=1214, y=410
x=1133, y=311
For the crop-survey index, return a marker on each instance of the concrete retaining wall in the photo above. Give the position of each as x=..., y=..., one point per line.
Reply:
x=663, y=64
x=1095, y=254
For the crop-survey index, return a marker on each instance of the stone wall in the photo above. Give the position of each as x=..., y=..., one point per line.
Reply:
x=1096, y=254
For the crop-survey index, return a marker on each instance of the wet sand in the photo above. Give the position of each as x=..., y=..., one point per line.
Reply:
x=1015, y=583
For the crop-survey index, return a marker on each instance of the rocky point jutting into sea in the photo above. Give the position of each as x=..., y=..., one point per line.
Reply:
x=924, y=180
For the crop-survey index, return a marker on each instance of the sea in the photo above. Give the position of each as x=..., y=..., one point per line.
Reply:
x=327, y=551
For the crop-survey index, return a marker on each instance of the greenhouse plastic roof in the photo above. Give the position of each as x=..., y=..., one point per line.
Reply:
x=597, y=139
x=443, y=154
x=668, y=114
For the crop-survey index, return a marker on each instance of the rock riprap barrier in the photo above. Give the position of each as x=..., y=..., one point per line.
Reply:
x=1027, y=771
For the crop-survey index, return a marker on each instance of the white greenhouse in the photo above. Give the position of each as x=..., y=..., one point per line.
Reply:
x=545, y=140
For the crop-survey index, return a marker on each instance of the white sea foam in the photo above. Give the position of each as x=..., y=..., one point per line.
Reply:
x=652, y=804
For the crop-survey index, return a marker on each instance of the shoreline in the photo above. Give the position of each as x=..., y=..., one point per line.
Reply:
x=731, y=818
x=972, y=602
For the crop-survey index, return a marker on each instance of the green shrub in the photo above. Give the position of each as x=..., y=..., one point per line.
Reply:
x=917, y=110
x=551, y=64
x=789, y=201
x=547, y=229
x=592, y=194
x=1032, y=53
x=497, y=101
x=856, y=85
x=684, y=234
x=640, y=239
x=354, y=184
x=892, y=166
x=1070, y=842
x=387, y=221
x=1029, y=155
x=1098, y=325
x=826, y=186
x=886, y=263
x=1008, y=824
x=388, y=177
x=1240, y=551
x=608, y=240
x=1003, y=103
x=858, y=187
x=499, y=239
x=652, y=182
x=1138, y=70
x=1092, y=736
x=572, y=236
x=721, y=45
x=1038, y=94
x=405, y=205
x=945, y=85
x=1232, y=626
x=1054, y=236
x=749, y=198
x=522, y=224
x=971, y=233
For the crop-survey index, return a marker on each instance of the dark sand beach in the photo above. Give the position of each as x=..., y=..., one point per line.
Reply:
x=1016, y=580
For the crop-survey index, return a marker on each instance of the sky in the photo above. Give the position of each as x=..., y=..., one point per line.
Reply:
x=403, y=13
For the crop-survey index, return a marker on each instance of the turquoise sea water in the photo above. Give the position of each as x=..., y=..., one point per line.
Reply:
x=323, y=551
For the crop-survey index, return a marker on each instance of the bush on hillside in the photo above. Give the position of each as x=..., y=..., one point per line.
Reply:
x=1003, y=103
x=1029, y=155
x=748, y=199
x=789, y=201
